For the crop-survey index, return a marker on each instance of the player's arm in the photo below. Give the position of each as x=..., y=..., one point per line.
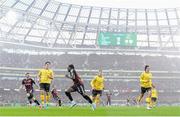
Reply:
x=71, y=75
x=22, y=85
x=39, y=76
x=103, y=85
x=35, y=84
x=152, y=85
x=51, y=76
x=93, y=83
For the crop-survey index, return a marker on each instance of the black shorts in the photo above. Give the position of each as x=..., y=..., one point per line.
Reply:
x=29, y=96
x=154, y=99
x=45, y=87
x=144, y=90
x=79, y=88
x=96, y=92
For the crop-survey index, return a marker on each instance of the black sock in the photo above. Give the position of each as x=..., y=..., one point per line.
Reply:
x=69, y=96
x=59, y=102
x=36, y=102
x=87, y=98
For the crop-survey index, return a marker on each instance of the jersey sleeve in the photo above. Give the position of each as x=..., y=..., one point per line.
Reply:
x=52, y=74
x=33, y=82
x=93, y=82
x=141, y=77
x=39, y=73
x=150, y=81
x=23, y=82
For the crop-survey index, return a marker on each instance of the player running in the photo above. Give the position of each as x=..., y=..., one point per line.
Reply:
x=28, y=83
x=97, y=85
x=55, y=96
x=77, y=87
x=146, y=84
x=154, y=96
x=46, y=76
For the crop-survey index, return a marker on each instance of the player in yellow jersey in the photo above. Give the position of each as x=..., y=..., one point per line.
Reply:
x=146, y=84
x=97, y=85
x=154, y=96
x=46, y=76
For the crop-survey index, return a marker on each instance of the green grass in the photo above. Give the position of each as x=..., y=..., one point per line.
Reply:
x=86, y=111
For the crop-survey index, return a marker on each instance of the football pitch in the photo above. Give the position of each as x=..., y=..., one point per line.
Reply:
x=87, y=111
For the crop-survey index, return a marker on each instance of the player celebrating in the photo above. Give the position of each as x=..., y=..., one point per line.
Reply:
x=97, y=85
x=28, y=83
x=46, y=76
x=146, y=84
x=78, y=86
x=55, y=96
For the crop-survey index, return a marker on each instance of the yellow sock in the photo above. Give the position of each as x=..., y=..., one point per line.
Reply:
x=93, y=99
x=47, y=98
x=42, y=98
x=97, y=100
x=148, y=101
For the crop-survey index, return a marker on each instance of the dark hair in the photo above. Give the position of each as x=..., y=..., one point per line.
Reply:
x=146, y=66
x=47, y=62
x=71, y=66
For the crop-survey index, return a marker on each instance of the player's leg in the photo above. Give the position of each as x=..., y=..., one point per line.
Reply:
x=36, y=101
x=32, y=98
x=153, y=102
x=97, y=101
x=47, y=91
x=59, y=101
x=148, y=99
x=81, y=90
x=148, y=102
x=94, y=94
x=109, y=100
x=42, y=93
x=143, y=90
x=68, y=93
x=29, y=97
x=86, y=97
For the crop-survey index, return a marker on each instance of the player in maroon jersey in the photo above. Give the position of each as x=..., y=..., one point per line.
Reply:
x=77, y=87
x=55, y=96
x=28, y=83
x=108, y=96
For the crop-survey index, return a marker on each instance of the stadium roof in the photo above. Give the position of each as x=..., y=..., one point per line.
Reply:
x=126, y=3
x=50, y=23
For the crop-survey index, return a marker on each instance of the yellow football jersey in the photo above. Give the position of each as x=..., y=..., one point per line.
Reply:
x=98, y=83
x=44, y=75
x=145, y=80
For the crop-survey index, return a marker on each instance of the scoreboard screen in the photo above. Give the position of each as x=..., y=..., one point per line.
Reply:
x=117, y=39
